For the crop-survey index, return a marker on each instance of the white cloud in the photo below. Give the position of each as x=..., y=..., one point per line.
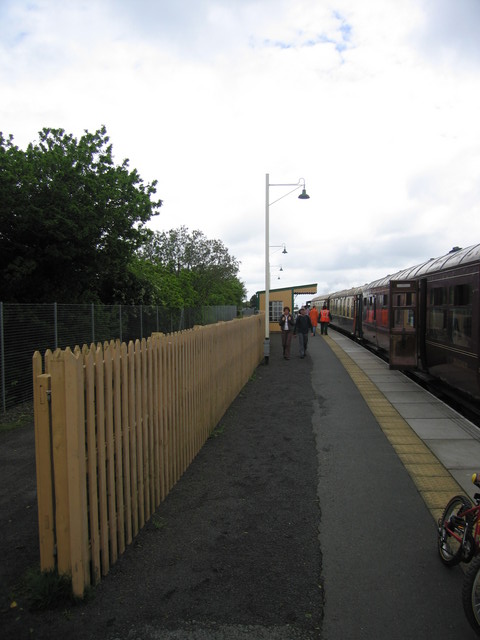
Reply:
x=375, y=104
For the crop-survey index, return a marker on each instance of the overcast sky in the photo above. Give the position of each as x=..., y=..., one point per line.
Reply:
x=375, y=103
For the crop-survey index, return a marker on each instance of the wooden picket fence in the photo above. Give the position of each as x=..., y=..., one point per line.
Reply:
x=116, y=426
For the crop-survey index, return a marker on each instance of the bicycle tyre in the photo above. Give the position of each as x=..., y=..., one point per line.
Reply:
x=471, y=595
x=449, y=549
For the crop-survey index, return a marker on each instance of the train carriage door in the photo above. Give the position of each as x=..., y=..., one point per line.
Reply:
x=403, y=324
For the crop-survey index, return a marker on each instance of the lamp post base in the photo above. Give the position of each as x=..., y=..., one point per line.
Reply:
x=266, y=350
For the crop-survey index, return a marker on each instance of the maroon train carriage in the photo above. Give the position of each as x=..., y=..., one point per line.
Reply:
x=449, y=319
x=425, y=317
x=345, y=310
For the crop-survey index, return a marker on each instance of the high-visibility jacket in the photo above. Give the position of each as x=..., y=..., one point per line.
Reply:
x=314, y=316
x=324, y=315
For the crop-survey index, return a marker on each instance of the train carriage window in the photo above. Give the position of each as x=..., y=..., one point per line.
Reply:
x=461, y=295
x=404, y=318
x=460, y=315
x=437, y=324
x=437, y=317
x=461, y=326
x=438, y=296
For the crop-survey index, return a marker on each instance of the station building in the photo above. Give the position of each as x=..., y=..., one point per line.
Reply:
x=280, y=298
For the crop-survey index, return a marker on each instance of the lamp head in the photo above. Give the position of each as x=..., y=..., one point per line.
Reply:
x=285, y=248
x=304, y=195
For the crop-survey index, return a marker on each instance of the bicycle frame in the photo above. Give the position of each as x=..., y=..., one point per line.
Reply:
x=472, y=521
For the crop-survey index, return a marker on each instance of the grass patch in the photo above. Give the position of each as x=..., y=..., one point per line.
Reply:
x=159, y=522
x=218, y=431
x=45, y=590
x=17, y=417
x=48, y=590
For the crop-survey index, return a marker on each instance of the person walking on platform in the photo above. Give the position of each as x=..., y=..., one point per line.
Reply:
x=302, y=326
x=314, y=319
x=325, y=319
x=287, y=324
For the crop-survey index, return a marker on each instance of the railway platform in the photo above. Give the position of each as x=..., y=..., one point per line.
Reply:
x=390, y=456
x=422, y=429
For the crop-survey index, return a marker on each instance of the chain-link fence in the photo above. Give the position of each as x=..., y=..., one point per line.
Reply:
x=26, y=328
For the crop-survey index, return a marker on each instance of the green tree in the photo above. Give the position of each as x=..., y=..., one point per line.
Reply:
x=206, y=272
x=71, y=221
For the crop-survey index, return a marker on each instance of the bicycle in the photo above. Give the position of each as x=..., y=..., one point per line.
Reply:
x=459, y=541
x=471, y=594
x=459, y=528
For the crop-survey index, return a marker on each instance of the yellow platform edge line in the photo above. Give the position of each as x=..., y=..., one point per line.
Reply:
x=433, y=481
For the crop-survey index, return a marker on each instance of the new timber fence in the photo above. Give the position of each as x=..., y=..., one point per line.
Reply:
x=117, y=424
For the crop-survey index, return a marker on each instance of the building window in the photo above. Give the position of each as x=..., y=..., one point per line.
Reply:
x=275, y=311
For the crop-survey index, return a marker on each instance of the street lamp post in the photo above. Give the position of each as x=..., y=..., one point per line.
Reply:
x=302, y=196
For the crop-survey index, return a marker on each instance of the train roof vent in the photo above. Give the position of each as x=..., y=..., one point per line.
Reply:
x=453, y=259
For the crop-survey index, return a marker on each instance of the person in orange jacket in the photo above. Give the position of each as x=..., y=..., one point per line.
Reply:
x=314, y=319
x=325, y=319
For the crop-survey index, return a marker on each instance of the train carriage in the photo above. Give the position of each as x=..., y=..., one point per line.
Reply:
x=344, y=308
x=425, y=317
x=450, y=315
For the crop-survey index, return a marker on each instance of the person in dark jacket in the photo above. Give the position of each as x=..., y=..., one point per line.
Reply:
x=287, y=325
x=303, y=325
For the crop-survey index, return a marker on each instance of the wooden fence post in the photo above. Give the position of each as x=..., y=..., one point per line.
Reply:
x=126, y=426
x=102, y=459
x=76, y=471
x=110, y=452
x=93, y=476
x=44, y=465
x=59, y=448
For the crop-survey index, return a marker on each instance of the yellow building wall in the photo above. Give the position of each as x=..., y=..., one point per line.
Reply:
x=287, y=298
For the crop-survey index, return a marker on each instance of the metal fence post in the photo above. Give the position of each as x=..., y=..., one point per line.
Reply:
x=55, y=325
x=2, y=363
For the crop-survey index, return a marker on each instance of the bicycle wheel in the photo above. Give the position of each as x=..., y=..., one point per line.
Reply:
x=471, y=594
x=449, y=548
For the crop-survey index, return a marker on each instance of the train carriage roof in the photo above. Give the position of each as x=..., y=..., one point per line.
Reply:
x=344, y=293
x=447, y=261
